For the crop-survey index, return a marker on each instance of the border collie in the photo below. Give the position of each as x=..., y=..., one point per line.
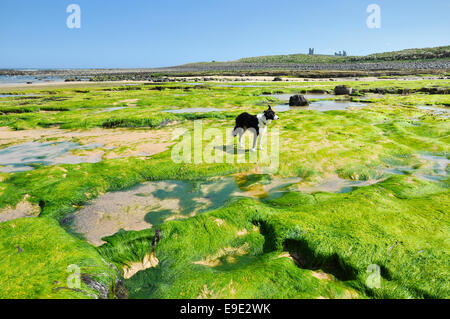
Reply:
x=255, y=123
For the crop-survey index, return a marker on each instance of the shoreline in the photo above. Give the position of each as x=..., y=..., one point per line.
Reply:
x=211, y=79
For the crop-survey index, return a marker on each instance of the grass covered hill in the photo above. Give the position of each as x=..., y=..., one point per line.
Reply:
x=442, y=52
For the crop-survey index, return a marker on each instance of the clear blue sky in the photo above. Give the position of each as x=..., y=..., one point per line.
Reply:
x=152, y=33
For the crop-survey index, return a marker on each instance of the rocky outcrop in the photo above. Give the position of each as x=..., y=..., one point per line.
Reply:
x=429, y=90
x=298, y=100
x=343, y=90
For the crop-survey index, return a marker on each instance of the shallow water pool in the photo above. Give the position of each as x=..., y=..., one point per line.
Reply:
x=310, y=96
x=194, y=110
x=19, y=95
x=435, y=168
x=153, y=203
x=321, y=106
x=439, y=111
x=335, y=185
x=26, y=156
x=111, y=109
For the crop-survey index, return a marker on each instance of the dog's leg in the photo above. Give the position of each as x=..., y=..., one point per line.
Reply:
x=241, y=132
x=255, y=137
x=261, y=135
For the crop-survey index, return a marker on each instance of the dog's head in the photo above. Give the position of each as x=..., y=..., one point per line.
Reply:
x=270, y=115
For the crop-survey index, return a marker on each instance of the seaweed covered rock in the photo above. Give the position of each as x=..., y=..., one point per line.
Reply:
x=343, y=90
x=298, y=100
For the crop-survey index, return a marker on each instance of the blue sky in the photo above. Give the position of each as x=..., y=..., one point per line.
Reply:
x=150, y=33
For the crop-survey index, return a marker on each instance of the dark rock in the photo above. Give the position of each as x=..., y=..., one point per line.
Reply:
x=100, y=287
x=157, y=238
x=277, y=79
x=318, y=91
x=298, y=100
x=67, y=220
x=120, y=291
x=343, y=90
x=164, y=123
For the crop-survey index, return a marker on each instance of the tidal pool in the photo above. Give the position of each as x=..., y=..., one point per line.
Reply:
x=321, y=106
x=13, y=79
x=152, y=203
x=239, y=86
x=111, y=109
x=440, y=163
x=335, y=185
x=439, y=111
x=194, y=110
x=310, y=96
x=27, y=156
x=19, y=95
x=282, y=108
x=435, y=168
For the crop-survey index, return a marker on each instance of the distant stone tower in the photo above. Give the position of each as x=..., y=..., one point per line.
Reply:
x=341, y=53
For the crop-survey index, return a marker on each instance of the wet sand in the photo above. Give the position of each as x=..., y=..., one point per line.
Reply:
x=112, y=143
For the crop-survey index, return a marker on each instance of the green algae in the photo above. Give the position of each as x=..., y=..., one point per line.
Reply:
x=299, y=245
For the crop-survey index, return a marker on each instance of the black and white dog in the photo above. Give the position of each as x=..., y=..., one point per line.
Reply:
x=257, y=124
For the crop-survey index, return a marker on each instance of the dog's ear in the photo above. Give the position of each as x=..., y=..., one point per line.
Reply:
x=270, y=107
